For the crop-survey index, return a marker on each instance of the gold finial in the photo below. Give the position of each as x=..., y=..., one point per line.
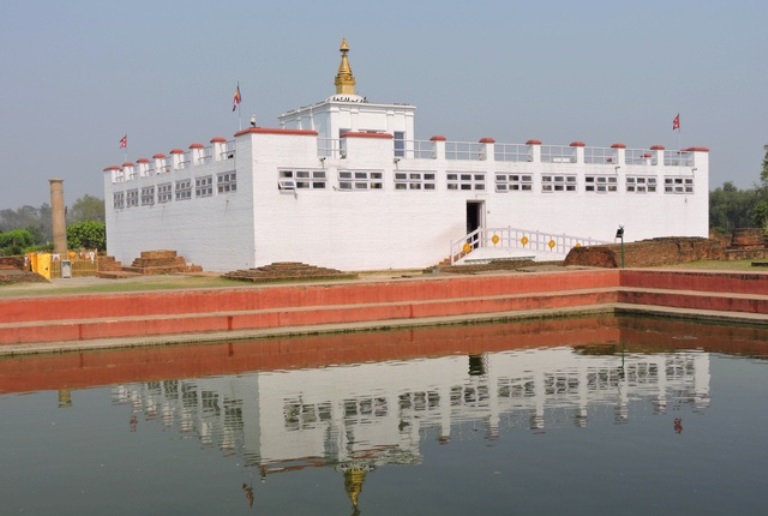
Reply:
x=345, y=81
x=353, y=483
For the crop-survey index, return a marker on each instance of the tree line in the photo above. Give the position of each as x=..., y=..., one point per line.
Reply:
x=731, y=208
x=29, y=229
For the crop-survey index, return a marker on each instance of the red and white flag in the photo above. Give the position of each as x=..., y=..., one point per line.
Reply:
x=124, y=142
x=236, y=101
x=676, y=123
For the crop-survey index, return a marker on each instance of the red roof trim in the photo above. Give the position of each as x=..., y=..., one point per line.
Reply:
x=696, y=149
x=657, y=147
x=533, y=142
x=618, y=146
x=127, y=164
x=487, y=139
x=266, y=130
x=218, y=139
x=437, y=138
x=577, y=144
x=159, y=156
x=379, y=136
x=142, y=160
x=111, y=168
x=177, y=151
x=197, y=146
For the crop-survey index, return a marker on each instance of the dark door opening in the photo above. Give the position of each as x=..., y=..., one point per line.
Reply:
x=474, y=220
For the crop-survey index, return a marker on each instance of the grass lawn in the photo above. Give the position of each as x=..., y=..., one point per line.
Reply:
x=89, y=286
x=720, y=265
x=173, y=282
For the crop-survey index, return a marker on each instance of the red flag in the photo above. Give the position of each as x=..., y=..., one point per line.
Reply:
x=676, y=122
x=236, y=101
x=124, y=142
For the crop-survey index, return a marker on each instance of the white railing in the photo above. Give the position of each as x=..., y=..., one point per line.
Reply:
x=639, y=157
x=512, y=152
x=538, y=242
x=421, y=149
x=558, y=154
x=465, y=151
x=601, y=155
x=678, y=159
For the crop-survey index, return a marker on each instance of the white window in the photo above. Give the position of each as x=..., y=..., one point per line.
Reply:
x=226, y=182
x=164, y=193
x=305, y=179
x=406, y=180
x=601, y=184
x=466, y=181
x=204, y=186
x=118, y=200
x=514, y=183
x=183, y=189
x=678, y=185
x=641, y=184
x=359, y=180
x=132, y=198
x=558, y=183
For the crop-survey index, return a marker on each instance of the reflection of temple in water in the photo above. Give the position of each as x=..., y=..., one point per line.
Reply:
x=359, y=417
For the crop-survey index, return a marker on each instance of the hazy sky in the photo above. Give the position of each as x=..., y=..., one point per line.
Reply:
x=77, y=75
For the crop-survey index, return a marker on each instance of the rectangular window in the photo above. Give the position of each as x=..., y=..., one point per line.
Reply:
x=514, y=183
x=148, y=196
x=132, y=198
x=226, y=182
x=118, y=200
x=641, y=184
x=407, y=180
x=678, y=185
x=360, y=180
x=304, y=179
x=204, y=186
x=601, y=183
x=558, y=183
x=183, y=189
x=399, y=141
x=164, y=193
x=466, y=181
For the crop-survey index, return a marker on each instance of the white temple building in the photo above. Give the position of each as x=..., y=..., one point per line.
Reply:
x=344, y=183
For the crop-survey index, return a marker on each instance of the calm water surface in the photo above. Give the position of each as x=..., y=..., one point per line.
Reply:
x=580, y=416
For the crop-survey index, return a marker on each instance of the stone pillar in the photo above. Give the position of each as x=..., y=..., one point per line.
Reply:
x=59, y=217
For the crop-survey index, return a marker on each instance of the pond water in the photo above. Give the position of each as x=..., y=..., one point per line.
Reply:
x=604, y=415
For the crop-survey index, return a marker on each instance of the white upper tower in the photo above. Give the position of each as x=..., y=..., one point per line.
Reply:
x=346, y=111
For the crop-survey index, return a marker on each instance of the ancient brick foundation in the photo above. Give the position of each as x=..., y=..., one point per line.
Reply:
x=648, y=253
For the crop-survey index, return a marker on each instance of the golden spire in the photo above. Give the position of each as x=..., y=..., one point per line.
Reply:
x=353, y=482
x=345, y=81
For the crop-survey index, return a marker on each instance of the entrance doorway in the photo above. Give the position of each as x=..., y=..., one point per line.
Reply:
x=475, y=220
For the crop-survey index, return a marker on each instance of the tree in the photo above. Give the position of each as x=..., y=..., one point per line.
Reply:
x=731, y=208
x=14, y=242
x=90, y=234
x=760, y=210
x=37, y=220
x=86, y=208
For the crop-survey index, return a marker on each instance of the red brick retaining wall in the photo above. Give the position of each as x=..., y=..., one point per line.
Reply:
x=77, y=318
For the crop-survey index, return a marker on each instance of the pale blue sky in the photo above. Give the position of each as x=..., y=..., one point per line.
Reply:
x=77, y=75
